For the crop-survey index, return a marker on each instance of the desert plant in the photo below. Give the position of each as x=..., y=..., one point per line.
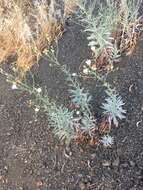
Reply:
x=79, y=96
x=81, y=99
x=107, y=141
x=88, y=123
x=112, y=28
x=62, y=122
x=99, y=25
x=113, y=107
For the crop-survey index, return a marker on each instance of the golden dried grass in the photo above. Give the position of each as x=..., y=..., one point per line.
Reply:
x=25, y=31
x=70, y=6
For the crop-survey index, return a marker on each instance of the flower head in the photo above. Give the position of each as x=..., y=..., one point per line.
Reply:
x=86, y=71
x=77, y=112
x=14, y=86
x=37, y=109
x=93, y=48
x=39, y=90
x=74, y=74
x=88, y=62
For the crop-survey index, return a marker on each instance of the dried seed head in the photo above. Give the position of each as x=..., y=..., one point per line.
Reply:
x=74, y=74
x=93, y=48
x=37, y=109
x=88, y=62
x=86, y=71
x=39, y=90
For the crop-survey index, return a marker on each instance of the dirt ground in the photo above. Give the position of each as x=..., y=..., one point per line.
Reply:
x=32, y=159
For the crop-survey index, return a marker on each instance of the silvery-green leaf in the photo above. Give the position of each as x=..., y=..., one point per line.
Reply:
x=113, y=107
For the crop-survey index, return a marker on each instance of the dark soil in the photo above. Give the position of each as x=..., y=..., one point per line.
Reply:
x=31, y=158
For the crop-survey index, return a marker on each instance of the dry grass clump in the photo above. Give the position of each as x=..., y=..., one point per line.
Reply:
x=26, y=29
x=70, y=6
x=131, y=25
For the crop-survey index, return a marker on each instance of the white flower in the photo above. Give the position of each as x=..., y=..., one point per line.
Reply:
x=77, y=112
x=86, y=71
x=14, y=86
x=94, y=68
x=92, y=43
x=107, y=140
x=88, y=62
x=37, y=109
x=93, y=48
x=74, y=74
x=39, y=90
